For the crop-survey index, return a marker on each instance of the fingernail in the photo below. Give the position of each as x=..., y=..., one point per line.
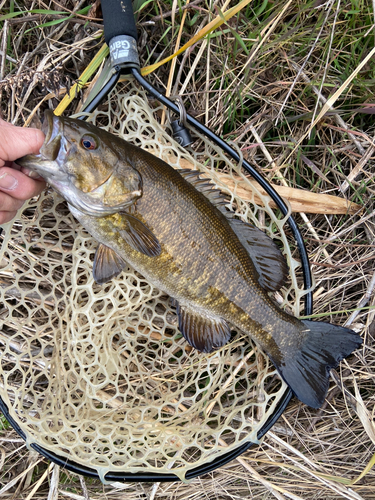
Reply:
x=7, y=181
x=31, y=173
x=35, y=175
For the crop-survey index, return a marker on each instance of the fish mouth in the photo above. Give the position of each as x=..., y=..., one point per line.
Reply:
x=47, y=124
x=47, y=162
x=52, y=128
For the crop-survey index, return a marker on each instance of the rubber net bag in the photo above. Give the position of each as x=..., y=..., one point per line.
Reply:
x=100, y=374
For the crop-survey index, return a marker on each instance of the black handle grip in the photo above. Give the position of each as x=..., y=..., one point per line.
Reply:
x=118, y=19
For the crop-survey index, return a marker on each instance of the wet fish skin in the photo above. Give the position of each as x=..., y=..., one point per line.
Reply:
x=96, y=181
x=181, y=241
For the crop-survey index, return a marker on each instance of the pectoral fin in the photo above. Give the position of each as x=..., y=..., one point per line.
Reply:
x=107, y=264
x=205, y=333
x=139, y=237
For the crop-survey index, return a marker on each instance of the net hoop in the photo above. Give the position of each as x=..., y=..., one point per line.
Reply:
x=210, y=464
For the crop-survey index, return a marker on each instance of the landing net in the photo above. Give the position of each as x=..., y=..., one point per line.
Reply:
x=100, y=375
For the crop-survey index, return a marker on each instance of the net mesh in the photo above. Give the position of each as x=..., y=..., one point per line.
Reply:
x=100, y=374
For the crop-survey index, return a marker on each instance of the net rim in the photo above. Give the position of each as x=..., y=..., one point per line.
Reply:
x=220, y=461
x=112, y=476
x=205, y=468
x=151, y=476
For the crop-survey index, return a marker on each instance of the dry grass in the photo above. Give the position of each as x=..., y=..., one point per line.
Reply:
x=259, y=81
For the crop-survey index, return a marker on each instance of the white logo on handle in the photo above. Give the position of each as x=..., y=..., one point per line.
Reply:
x=119, y=49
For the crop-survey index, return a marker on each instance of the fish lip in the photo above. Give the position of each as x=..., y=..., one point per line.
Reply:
x=52, y=128
x=47, y=125
x=46, y=163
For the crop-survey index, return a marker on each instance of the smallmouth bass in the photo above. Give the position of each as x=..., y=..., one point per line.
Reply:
x=173, y=228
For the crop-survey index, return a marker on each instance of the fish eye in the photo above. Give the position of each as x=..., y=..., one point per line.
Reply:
x=89, y=142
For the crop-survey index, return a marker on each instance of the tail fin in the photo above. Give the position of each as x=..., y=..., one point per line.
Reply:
x=307, y=372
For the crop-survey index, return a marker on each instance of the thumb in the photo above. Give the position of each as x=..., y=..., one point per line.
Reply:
x=18, y=141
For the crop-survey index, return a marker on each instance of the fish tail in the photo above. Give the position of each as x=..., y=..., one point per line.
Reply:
x=323, y=347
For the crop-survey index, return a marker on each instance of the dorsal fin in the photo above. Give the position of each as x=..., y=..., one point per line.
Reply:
x=265, y=254
x=216, y=197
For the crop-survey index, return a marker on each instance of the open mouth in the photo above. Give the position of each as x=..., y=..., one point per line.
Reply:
x=51, y=127
x=44, y=163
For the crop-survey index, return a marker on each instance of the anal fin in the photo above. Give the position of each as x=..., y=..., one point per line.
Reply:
x=204, y=332
x=107, y=264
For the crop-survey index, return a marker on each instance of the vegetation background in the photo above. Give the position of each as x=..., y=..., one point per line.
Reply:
x=260, y=80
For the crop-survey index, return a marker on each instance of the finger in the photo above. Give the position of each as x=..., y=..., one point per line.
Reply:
x=4, y=123
x=6, y=217
x=9, y=204
x=17, y=141
x=24, y=170
x=19, y=185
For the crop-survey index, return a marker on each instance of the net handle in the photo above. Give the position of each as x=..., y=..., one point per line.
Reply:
x=118, y=19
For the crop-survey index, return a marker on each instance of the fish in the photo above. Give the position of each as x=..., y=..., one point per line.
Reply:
x=174, y=228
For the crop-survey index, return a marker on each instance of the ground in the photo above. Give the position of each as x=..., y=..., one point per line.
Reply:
x=291, y=84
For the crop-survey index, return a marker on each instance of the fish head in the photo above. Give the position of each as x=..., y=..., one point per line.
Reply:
x=84, y=164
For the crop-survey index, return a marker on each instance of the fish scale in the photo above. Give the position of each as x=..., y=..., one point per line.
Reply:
x=229, y=264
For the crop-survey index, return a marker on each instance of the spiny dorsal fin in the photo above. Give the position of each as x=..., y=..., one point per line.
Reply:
x=216, y=197
x=265, y=254
x=205, y=333
x=107, y=264
x=139, y=236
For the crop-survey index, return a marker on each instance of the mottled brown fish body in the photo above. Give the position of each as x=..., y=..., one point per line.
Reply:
x=202, y=263
x=171, y=227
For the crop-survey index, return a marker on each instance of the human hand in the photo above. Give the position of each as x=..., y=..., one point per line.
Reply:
x=17, y=184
